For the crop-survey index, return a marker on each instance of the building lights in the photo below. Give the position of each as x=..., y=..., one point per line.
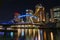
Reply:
x=40, y=12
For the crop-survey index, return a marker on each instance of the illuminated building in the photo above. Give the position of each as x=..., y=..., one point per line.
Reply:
x=40, y=13
x=55, y=15
x=29, y=18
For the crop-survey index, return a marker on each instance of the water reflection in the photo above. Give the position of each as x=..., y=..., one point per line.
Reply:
x=11, y=34
x=28, y=34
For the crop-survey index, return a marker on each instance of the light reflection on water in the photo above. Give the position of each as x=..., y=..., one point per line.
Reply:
x=38, y=35
x=11, y=34
x=1, y=33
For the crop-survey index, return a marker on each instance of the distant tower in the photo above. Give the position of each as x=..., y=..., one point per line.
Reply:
x=39, y=12
x=30, y=13
x=55, y=13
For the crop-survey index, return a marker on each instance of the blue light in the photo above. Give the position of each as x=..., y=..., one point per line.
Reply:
x=7, y=22
x=22, y=33
x=1, y=33
x=21, y=16
x=11, y=34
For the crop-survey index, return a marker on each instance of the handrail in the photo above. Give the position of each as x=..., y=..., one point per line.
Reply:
x=36, y=24
x=25, y=23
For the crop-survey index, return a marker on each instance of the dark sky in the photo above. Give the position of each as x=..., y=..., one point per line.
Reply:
x=7, y=7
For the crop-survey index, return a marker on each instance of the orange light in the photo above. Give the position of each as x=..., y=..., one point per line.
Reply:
x=44, y=35
x=39, y=34
x=51, y=35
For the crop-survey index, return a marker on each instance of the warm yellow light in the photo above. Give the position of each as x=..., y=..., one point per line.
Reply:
x=33, y=32
x=37, y=10
x=38, y=34
x=43, y=19
x=44, y=35
x=19, y=32
x=30, y=32
x=51, y=35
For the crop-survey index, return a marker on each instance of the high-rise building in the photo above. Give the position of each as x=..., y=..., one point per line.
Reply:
x=55, y=13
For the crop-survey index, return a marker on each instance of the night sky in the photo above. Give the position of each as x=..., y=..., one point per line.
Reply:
x=8, y=7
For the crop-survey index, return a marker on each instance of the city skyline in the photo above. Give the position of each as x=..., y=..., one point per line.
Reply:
x=8, y=7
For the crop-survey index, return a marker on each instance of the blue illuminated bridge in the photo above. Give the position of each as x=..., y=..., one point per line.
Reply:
x=21, y=16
